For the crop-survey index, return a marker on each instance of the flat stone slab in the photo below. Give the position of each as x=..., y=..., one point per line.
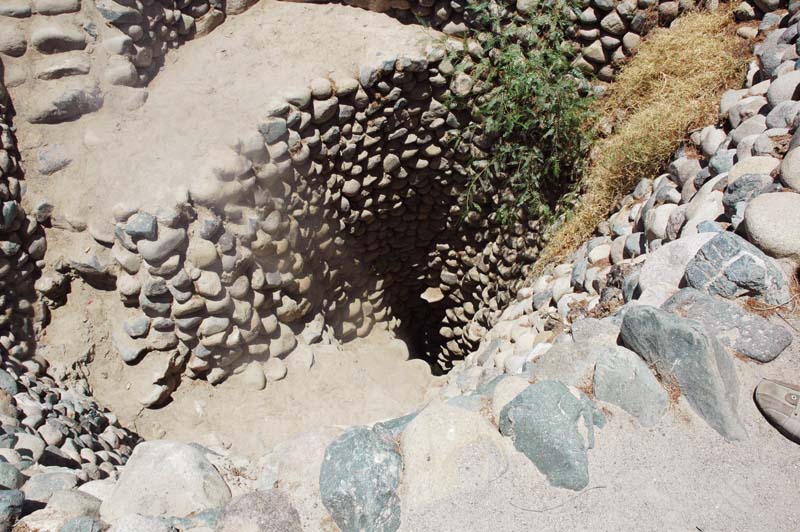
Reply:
x=741, y=331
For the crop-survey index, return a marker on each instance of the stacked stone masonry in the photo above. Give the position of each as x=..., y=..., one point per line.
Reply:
x=341, y=210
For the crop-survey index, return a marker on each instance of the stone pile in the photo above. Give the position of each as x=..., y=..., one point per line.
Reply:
x=22, y=249
x=661, y=299
x=53, y=439
x=606, y=31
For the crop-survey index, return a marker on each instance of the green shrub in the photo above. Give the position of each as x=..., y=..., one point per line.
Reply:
x=536, y=113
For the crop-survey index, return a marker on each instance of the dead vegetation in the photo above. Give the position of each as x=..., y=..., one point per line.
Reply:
x=671, y=86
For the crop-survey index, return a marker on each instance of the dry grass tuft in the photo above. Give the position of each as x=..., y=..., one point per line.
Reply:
x=671, y=86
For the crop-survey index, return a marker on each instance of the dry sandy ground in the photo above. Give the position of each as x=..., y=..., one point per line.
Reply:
x=365, y=381
x=679, y=476
x=210, y=91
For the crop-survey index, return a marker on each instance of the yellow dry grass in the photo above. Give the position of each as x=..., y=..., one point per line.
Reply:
x=672, y=85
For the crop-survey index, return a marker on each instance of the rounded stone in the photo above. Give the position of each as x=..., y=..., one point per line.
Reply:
x=275, y=369
x=753, y=165
x=773, y=224
x=790, y=169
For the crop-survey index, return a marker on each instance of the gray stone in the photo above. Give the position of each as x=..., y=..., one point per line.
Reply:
x=684, y=355
x=722, y=161
x=52, y=158
x=730, y=266
x=15, y=8
x=118, y=13
x=56, y=7
x=12, y=39
x=82, y=523
x=741, y=331
x=58, y=103
x=772, y=222
x=10, y=477
x=169, y=242
x=744, y=189
x=142, y=225
x=165, y=478
x=571, y=363
x=8, y=383
x=664, y=269
x=784, y=88
x=56, y=38
x=10, y=508
x=74, y=502
x=359, y=479
x=325, y=110
x=542, y=421
x=39, y=488
x=623, y=379
x=137, y=327
x=790, y=169
x=592, y=329
x=259, y=511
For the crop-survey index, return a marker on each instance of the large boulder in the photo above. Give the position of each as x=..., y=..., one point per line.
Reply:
x=773, y=224
x=571, y=363
x=622, y=378
x=359, y=481
x=730, y=266
x=664, y=268
x=10, y=508
x=740, y=331
x=166, y=478
x=449, y=450
x=62, y=103
x=542, y=421
x=684, y=355
x=259, y=511
x=294, y=466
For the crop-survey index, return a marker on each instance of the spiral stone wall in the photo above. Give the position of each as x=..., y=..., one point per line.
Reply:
x=338, y=211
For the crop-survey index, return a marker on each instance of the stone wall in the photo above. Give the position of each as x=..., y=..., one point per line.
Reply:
x=22, y=248
x=70, y=54
x=339, y=210
x=606, y=31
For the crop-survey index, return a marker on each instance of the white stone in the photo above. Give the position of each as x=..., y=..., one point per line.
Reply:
x=772, y=222
x=663, y=270
x=449, y=451
x=166, y=478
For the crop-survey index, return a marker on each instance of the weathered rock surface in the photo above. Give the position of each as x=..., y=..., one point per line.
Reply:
x=741, y=331
x=448, y=450
x=622, y=378
x=359, y=481
x=166, y=478
x=542, y=421
x=772, y=222
x=259, y=511
x=684, y=355
x=730, y=266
